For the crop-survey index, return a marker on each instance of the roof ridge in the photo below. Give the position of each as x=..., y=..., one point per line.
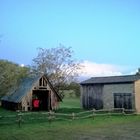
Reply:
x=114, y=76
x=112, y=79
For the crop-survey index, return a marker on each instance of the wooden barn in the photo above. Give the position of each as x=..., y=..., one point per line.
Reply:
x=111, y=92
x=32, y=89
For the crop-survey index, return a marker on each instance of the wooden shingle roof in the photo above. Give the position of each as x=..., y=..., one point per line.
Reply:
x=111, y=79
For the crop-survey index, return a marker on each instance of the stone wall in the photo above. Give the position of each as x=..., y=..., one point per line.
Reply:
x=110, y=89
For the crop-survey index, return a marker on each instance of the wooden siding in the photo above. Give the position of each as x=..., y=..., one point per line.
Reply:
x=92, y=96
x=39, y=85
x=11, y=105
x=27, y=102
x=137, y=95
x=54, y=100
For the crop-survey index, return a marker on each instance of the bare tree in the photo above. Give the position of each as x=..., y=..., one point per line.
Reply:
x=58, y=64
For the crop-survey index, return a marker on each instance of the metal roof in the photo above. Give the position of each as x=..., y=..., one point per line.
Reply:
x=17, y=95
x=111, y=79
x=23, y=89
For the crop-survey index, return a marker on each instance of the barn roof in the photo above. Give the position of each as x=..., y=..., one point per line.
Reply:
x=111, y=79
x=22, y=90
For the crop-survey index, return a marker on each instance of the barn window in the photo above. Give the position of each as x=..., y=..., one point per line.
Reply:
x=123, y=100
x=40, y=82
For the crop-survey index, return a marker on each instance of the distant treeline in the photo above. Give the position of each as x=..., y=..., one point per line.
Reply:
x=10, y=76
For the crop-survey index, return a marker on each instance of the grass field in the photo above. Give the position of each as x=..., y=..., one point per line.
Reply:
x=99, y=128
x=70, y=105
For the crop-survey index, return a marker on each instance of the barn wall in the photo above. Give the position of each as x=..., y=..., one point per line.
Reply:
x=91, y=96
x=27, y=102
x=137, y=95
x=54, y=99
x=83, y=96
x=11, y=105
x=110, y=89
x=105, y=93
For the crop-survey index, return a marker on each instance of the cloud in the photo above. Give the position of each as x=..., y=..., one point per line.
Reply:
x=92, y=69
x=134, y=71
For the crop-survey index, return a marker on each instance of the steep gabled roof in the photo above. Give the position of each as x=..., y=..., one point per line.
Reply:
x=23, y=89
x=111, y=79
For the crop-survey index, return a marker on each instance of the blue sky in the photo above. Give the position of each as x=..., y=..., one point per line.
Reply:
x=104, y=34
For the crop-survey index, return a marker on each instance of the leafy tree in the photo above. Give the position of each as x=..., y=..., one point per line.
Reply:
x=75, y=87
x=10, y=75
x=58, y=64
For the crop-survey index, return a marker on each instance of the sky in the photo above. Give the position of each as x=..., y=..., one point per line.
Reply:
x=104, y=34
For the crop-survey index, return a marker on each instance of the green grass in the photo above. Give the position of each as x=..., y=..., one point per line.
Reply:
x=100, y=128
x=70, y=103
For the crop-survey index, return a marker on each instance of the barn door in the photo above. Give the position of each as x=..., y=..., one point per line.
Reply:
x=123, y=100
x=95, y=99
x=44, y=99
x=127, y=101
x=118, y=100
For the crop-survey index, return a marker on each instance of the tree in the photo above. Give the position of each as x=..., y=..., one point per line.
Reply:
x=138, y=71
x=10, y=76
x=58, y=64
x=75, y=87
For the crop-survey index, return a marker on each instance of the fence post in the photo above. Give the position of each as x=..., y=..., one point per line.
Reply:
x=19, y=119
x=73, y=115
x=93, y=113
x=50, y=117
x=123, y=111
x=109, y=113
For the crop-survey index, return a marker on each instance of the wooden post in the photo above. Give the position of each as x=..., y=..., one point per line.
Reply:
x=123, y=111
x=73, y=115
x=19, y=119
x=109, y=113
x=49, y=100
x=50, y=117
x=93, y=113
